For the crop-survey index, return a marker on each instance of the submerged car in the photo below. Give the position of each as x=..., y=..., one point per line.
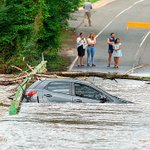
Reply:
x=68, y=90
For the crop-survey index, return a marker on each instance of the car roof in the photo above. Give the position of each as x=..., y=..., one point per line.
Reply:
x=67, y=80
x=43, y=80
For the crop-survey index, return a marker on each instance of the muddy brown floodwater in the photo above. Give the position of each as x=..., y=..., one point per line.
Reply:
x=71, y=126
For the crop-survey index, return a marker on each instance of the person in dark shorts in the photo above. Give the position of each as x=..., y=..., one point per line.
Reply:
x=110, y=42
x=81, y=45
x=91, y=41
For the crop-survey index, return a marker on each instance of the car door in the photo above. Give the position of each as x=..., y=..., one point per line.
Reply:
x=86, y=94
x=57, y=91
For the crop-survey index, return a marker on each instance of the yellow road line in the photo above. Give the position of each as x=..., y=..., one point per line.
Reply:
x=138, y=25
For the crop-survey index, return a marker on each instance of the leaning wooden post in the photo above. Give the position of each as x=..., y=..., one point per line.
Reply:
x=15, y=105
x=14, y=108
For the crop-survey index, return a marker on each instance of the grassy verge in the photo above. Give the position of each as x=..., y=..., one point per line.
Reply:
x=60, y=64
x=61, y=61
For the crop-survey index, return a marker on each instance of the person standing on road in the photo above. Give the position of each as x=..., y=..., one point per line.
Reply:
x=87, y=7
x=81, y=45
x=117, y=53
x=91, y=41
x=110, y=42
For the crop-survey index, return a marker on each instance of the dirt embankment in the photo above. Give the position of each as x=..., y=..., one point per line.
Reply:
x=69, y=44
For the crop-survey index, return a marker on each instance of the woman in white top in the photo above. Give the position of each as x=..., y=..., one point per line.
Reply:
x=91, y=41
x=117, y=53
x=81, y=45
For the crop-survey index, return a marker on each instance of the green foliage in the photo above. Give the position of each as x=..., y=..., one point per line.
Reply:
x=57, y=63
x=31, y=27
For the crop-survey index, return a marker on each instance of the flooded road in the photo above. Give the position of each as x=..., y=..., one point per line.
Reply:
x=83, y=126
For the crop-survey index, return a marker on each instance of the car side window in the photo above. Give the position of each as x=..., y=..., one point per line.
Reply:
x=59, y=87
x=87, y=92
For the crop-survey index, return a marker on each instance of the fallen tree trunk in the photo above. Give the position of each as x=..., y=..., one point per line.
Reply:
x=111, y=76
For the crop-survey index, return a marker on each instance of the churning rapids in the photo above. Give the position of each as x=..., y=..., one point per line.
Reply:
x=70, y=126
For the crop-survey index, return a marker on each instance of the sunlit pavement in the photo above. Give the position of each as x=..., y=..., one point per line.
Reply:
x=143, y=72
x=135, y=41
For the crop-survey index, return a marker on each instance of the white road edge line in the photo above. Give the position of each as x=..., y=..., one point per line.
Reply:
x=71, y=66
x=144, y=39
x=138, y=2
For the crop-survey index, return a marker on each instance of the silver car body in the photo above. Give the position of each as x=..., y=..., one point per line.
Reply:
x=69, y=90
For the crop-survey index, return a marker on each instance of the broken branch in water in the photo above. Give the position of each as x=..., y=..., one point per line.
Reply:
x=111, y=76
x=30, y=67
x=22, y=71
x=135, y=68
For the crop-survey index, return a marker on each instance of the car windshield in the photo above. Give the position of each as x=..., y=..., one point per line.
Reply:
x=87, y=92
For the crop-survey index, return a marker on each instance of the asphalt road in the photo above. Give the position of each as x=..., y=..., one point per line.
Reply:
x=114, y=17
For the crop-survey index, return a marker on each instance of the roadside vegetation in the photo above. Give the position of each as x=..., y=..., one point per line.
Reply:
x=30, y=28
